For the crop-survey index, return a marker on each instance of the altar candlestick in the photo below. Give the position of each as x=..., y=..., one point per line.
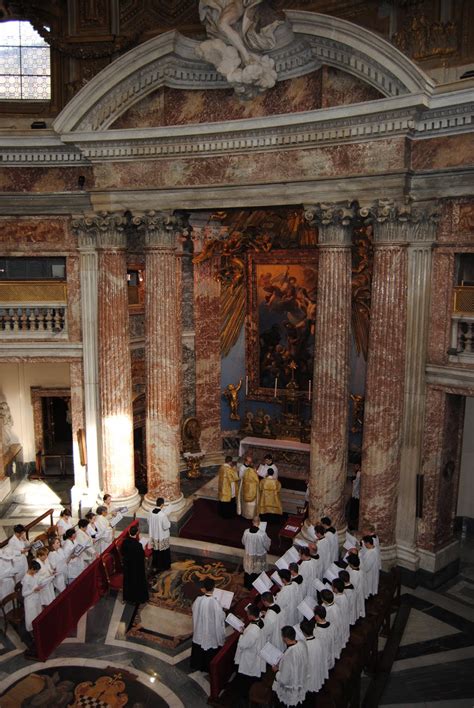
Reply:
x=276, y=386
x=309, y=390
x=246, y=385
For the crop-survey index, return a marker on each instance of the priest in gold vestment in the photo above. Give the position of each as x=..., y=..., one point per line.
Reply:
x=228, y=485
x=247, y=501
x=269, y=505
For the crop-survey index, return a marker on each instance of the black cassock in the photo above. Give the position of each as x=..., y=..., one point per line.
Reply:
x=135, y=587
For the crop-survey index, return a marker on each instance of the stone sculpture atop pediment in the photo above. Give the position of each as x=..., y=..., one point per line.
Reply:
x=241, y=33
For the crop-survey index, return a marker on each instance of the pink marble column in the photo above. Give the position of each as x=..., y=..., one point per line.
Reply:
x=329, y=425
x=385, y=372
x=115, y=376
x=163, y=358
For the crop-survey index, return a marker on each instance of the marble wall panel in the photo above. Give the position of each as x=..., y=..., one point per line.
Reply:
x=189, y=382
x=447, y=151
x=44, y=179
x=441, y=306
x=457, y=222
x=73, y=299
x=368, y=158
x=35, y=234
x=340, y=89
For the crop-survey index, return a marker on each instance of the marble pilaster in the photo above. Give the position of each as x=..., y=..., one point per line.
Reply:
x=88, y=279
x=115, y=374
x=419, y=253
x=385, y=371
x=329, y=426
x=163, y=352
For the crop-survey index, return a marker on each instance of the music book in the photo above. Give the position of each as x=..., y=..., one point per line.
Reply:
x=36, y=545
x=122, y=509
x=78, y=548
x=271, y=654
x=115, y=520
x=291, y=556
x=235, y=622
x=319, y=585
x=262, y=583
x=276, y=578
x=332, y=572
x=306, y=609
x=350, y=538
x=288, y=527
x=299, y=634
x=223, y=597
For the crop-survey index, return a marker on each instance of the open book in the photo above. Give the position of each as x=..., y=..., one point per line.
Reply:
x=223, y=597
x=235, y=622
x=299, y=634
x=276, y=578
x=306, y=607
x=262, y=583
x=291, y=556
x=115, y=520
x=270, y=654
x=78, y=548
x=332, y=572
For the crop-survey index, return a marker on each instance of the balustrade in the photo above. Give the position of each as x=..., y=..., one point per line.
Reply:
x=35, y=321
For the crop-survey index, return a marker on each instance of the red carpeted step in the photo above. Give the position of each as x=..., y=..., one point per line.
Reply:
x=205, y=524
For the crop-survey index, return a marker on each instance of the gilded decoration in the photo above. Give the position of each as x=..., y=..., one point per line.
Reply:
x=419, y=38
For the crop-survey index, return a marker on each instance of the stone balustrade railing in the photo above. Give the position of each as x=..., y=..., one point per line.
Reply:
x=33, y=321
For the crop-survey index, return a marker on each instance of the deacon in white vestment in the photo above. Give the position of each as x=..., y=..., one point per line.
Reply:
x=317, y=662
x=370, y=565
x=159, y=530
x=256, y=544
x=31, y=595
x=208, y=628
x=291, y=677
x=18, y=548
x=250, y=665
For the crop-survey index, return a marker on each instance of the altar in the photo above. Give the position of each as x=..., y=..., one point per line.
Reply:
x=290, y=456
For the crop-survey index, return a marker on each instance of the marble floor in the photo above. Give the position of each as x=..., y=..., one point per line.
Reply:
x=434, y=665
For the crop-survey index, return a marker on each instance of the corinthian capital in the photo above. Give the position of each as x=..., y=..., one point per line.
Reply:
x=396, y=222
x=104, y=230
x=334, y=221
x=161, y=228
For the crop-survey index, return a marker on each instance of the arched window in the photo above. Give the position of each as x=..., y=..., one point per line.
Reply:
x=25, y=63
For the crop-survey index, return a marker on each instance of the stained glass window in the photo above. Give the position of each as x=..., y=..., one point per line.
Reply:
x=25, y=63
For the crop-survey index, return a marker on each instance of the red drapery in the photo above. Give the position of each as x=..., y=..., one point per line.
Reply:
x=59, y=618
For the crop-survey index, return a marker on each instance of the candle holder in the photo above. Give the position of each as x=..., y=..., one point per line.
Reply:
x=193, y=462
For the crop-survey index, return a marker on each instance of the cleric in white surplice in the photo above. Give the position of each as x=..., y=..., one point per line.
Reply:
x=291, y=679
x=159, y=530
x=208, y=628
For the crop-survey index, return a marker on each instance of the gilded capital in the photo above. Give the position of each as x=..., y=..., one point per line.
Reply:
x=405, y=222
x=103, y=230
x=334, y=220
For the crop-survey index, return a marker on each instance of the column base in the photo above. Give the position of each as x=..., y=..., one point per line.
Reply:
x=5, y=488
x=173, y=507
x=132, y=501
x=408, y=557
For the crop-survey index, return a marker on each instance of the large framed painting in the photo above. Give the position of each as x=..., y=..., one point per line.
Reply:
x=281, y=318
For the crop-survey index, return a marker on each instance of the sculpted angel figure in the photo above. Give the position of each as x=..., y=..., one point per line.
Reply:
x=231, y=394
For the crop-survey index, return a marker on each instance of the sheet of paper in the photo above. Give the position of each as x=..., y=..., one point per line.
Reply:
x=289, y=527
x=332, y=572
x=292, y=554
x=235, y=622
x=78, y=548
x=319, y=585
x=282, y=563
x=223, y=597
x=144, y=542
x=347, y=545
x=276, y=578
x=299, y=634
x=271, y=654
x=350, y=538
x=306, y=609
x=262, y=583
x=115, y=520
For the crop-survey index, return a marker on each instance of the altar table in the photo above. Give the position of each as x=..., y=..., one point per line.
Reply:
x=290, y=456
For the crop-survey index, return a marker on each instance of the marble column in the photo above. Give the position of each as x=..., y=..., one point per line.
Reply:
x=86, y=235
x=163, y=352
x=330, y=409
x=421, y=233
x=385, y=372
x=115, y=370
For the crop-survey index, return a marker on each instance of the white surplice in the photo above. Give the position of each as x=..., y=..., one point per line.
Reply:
x=47, y=593
x=292, y=676
x=309, y=571
x=317, y=665
x=89, y=553
x=325, y=634
x=324, y=552
x=63, y=526
x=57, y=561
x=271, y=628
x=159, y=530
x=256, y=546
x=287, y=600
x=370, y=566
x=351, y=595
x=31, y=599
x=247, y=655
x=75, y=564
x=357, y=580
x=263, y=469
x=333, y=615
x=343, y=603
x=208, y=623
x=105, y=533
x=7, y=577
x=333, y=542
x=20, y=563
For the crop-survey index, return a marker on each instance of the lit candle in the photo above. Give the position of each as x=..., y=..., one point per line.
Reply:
x=276, y=386
x=246, y=385
x=309, y=390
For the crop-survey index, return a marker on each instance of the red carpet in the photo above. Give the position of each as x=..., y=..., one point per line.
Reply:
x=205, y=524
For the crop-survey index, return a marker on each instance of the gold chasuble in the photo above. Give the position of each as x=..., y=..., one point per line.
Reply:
x=270, y=502
x=247, y=504
x=227, y=483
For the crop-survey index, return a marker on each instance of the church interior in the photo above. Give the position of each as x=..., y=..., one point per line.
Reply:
x=238, y=228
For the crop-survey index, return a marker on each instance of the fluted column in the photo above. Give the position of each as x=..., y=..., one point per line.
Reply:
x=329, y=424
x=115, y=370
x=385, y=371
x=422, y=233
x=163, y=358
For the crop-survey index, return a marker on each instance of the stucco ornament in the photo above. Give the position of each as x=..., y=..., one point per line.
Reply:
x=240, y=33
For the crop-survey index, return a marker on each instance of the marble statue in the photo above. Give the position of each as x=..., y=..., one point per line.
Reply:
x=240, y=33
x=7, y=424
